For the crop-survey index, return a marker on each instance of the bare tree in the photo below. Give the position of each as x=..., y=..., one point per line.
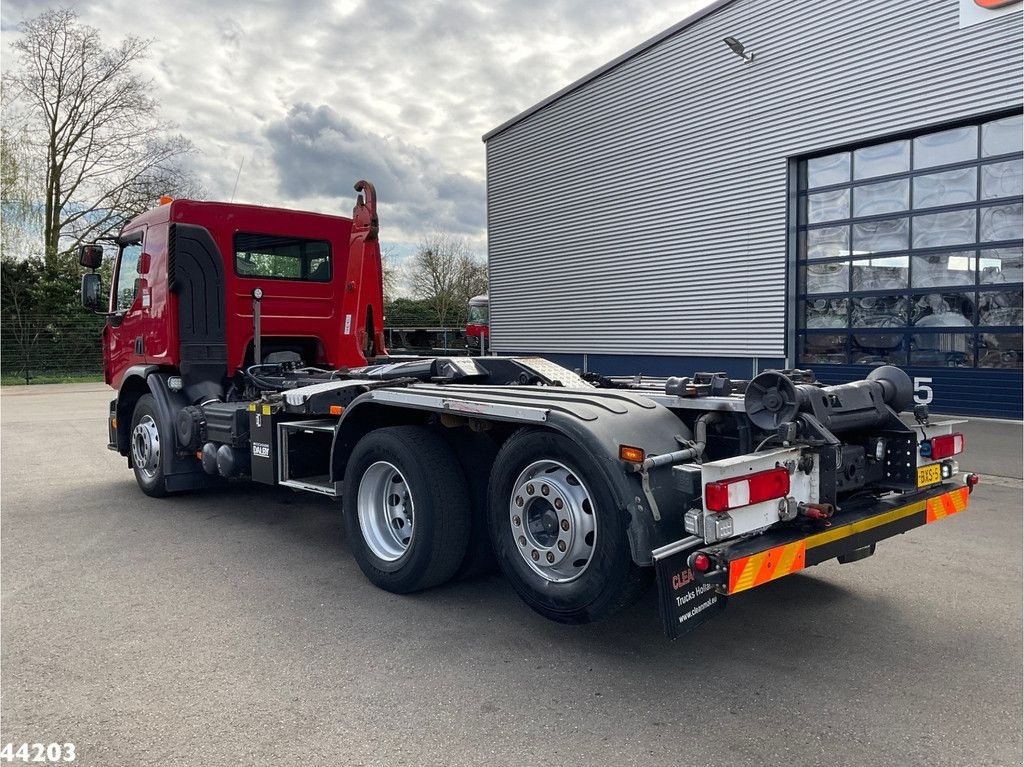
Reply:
x=445, y=274
x=389, y=274
x=473, y=282
x=93, y=124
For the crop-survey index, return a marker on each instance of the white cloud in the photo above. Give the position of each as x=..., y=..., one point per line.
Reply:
x=314, y=95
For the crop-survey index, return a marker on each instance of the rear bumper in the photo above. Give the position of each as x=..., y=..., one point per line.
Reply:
x=688, y=598
x=747, y=564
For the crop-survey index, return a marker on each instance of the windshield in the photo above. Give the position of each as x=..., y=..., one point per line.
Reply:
x=477, y=315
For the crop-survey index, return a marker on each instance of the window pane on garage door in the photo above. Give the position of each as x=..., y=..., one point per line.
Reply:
x=909, y=250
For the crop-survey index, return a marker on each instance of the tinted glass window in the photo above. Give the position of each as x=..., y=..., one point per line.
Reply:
x=881, y=159
x=822, y=171
x=946, y=147
x=950, y=187
x=282, y=258
x=910, y=250
x=1002, y=136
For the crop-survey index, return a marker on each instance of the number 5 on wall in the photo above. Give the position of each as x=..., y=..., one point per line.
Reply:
x=923, y=393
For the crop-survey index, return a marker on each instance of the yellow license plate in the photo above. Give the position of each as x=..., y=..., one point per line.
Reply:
x=929, y=475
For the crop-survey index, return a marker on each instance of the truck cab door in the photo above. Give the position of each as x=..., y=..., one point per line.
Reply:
x=129, y=300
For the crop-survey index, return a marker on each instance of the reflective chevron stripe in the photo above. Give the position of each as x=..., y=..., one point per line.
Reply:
x=947, y=504
x=757, y=569
x=766, y=566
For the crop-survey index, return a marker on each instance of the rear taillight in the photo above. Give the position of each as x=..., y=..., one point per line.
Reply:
x=943, y=447
x=743, y=491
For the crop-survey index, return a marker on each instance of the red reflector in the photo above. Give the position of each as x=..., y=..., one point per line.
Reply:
x=947, y=445
x=743, y=491
x=701, y=562
x=972, y=480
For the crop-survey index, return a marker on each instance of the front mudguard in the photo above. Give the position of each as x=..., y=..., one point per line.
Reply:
x=182, y=470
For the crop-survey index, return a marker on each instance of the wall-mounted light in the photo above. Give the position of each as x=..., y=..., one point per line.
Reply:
x=738, y=48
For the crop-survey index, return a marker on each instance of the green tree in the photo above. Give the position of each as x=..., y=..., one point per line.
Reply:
x=20, y=327
x=42, y=327
x=408, y=312
x=21, y=220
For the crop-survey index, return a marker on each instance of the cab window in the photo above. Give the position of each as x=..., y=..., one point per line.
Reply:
x=127, y=280
x=477, y=315
x=282, y=258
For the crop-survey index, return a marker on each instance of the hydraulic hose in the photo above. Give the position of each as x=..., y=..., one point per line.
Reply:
x=700, y=441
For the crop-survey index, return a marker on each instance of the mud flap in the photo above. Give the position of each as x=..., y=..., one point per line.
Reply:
x=685, y=603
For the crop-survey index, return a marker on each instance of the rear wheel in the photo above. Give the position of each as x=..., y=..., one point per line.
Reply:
x=557, y=532
x=145, y=448
x=406, y=508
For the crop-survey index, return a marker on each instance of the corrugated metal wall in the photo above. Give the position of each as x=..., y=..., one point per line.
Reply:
x=646, y=211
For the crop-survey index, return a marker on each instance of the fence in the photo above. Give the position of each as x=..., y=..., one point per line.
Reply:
x=45, y=346
x=425, y=340
x=49, y=346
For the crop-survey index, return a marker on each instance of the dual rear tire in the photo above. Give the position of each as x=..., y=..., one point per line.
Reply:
x=412, y=509
x=558, y=533
x=407, y=509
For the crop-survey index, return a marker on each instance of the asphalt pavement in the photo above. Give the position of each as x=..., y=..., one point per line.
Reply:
x=234, y=628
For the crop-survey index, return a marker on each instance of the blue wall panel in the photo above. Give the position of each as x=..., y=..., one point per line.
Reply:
x=960, y=391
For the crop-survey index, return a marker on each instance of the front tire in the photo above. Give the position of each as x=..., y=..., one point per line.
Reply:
x=559, y=535
x=407, y=511
x=147, y=442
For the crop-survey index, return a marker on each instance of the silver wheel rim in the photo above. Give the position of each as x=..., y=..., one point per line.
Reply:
x=146, y=447
x=385, y=508
x=553, y=521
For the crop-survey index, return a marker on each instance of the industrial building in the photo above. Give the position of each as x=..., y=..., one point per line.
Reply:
x=821, y=184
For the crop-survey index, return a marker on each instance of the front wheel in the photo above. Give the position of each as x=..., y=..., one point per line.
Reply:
x=407, y=510
x=147, y=444
x=558, y=533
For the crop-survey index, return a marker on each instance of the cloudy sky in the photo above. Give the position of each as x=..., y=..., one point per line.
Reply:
x=308, y=96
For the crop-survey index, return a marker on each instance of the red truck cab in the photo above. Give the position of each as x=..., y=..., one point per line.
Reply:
x=186, y=274
x=206, y=297
x=478, y=325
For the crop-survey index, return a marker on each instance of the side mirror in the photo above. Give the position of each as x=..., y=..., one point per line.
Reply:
x=91, y=291
x=90, y=256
